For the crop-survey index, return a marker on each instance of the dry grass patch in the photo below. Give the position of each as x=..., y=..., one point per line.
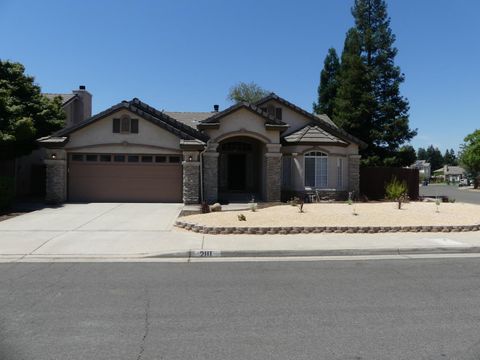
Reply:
x=341, y=214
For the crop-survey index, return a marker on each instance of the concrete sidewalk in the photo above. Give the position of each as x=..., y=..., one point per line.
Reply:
x=100, y=244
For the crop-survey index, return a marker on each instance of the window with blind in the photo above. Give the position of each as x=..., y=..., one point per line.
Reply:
x=287, y=171
x=316, y=169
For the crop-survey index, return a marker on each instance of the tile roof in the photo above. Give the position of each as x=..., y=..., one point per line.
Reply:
x=66, y=98
x=189, y=118
x=312, y=133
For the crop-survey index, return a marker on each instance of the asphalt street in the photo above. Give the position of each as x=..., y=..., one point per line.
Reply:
x=452, y=191
x=382, y=309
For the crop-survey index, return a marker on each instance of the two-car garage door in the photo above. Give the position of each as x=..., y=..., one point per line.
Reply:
x=125, y=178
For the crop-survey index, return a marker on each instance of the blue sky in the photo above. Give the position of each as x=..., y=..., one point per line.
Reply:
x=185, y=55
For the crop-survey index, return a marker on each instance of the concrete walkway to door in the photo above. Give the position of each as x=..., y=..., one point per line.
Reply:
x=101, y=228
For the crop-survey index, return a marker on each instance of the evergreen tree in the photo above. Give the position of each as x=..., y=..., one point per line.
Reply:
x=421, y=154
x=327, y=90
x=25, y=114
x=434, y=157
x=354, y=105
x=385, y=111
x=450, y=158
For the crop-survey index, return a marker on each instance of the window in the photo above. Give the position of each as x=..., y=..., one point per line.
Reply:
x=278, y=113
x=286, y=171
x=174, y=159
x=77, y=157
x=340, y=173
x=316, y=165
x=147, y=158
x=160, y=159
x=119, y=158
x=133, y=158
x=125, y=125
x=91, y=157
x=105, y=158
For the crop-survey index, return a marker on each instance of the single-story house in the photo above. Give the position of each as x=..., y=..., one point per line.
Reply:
x=450, y=173
x=134, y=152
x=424, y=168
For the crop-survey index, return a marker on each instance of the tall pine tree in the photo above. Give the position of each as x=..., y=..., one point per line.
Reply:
x=327, y=90
x=354, y=104
x=387, y=110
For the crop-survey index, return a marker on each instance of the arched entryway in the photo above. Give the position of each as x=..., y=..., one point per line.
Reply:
x=240, y=165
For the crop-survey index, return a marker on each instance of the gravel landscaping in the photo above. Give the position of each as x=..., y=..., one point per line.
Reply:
x=382, y=214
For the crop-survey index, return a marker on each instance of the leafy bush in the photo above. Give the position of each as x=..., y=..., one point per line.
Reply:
x=396, y=190
x=7, y=192
x=241, y=217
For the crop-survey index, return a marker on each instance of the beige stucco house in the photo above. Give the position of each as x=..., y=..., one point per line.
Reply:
x=270, y=150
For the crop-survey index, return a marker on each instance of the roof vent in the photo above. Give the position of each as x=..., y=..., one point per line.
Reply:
x=82, y=87
x=215, y=108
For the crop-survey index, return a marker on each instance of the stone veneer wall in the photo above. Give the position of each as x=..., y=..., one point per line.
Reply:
x=56, y=184
x=354, y=174
x=210, y=176
x=273, y=176
x=191, y=182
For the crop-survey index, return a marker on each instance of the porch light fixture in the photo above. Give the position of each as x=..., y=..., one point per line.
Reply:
x=54, y=156
x=190, y=158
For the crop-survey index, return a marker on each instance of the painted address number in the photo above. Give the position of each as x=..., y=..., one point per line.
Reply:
x=206, y=253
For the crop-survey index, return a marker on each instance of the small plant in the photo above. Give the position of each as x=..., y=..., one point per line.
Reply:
x=253, y=205
x=241, y=217
x=205, y=208
x=301, y=205
x=350, y=202
x=437, y=203
x=451, y=200
x=396, y=190
x=294, y=201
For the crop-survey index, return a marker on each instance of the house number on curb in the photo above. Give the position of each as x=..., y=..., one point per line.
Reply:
x=205, y=253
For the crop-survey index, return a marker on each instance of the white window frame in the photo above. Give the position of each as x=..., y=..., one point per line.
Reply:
x=320, y=169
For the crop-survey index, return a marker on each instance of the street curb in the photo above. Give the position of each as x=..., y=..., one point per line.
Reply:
x=207, y=253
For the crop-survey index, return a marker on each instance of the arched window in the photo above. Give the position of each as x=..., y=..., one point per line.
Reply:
x=316, y=169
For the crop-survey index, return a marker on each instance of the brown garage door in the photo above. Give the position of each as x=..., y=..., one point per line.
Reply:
x=125, y=177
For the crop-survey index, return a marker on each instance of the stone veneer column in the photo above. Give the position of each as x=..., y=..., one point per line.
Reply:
x=191, y=182
x=354, y=174
x=273, y=174
x=210, y=173
x=56, y=182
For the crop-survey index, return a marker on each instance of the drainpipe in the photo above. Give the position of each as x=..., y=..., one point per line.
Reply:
x=201, y=171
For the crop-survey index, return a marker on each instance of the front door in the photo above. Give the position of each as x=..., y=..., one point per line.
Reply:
x=237, y=166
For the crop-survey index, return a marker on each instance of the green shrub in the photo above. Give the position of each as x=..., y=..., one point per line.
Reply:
x=396, y=190
x=7, y=192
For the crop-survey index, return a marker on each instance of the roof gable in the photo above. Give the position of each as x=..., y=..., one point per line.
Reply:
x=146, y=112
x=270, y=121
x=313, y=134
x=320, y=120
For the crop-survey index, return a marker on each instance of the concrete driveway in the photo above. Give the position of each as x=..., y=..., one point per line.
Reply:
x=93, y=228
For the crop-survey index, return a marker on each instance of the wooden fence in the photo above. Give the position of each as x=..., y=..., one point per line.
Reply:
x=373, y=181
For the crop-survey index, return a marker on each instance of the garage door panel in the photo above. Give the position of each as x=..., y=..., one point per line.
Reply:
x=125, y=182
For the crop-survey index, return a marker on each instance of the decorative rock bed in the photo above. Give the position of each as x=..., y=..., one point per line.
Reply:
x=284, y=230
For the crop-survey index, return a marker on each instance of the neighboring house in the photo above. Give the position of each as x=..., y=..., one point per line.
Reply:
x=29, y=170
x=77, y=105
x=424, y=168
x=450, y=173
x=133, y=152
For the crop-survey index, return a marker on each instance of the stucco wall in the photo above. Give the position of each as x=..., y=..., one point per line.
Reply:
x=333, y=152
x=99, y=137
x=244, y=121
